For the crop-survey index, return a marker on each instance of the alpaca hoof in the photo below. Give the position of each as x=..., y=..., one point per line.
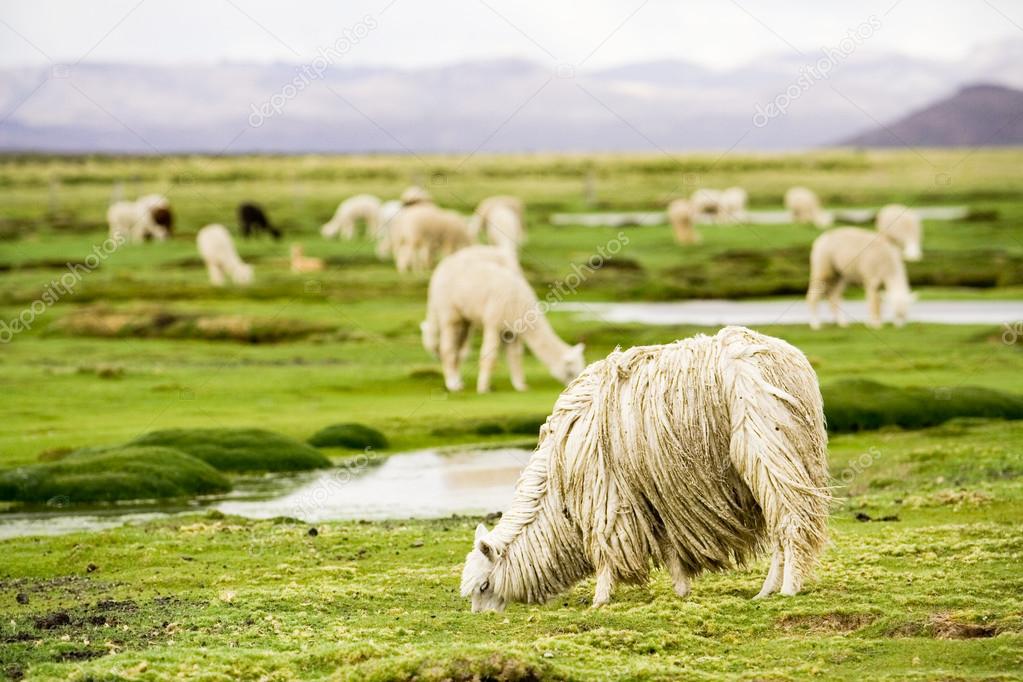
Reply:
x=599, y=602
x=791, y=592
x=682, y=591
x=763, y=594
x=520, y=387
x=455, y=386
x=483, y=389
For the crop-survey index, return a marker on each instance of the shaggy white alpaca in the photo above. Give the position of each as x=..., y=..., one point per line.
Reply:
x=415, y=195
x=303, y=263
x=695, y=456
x=148, y=217
x=217, y=250
x=805, y=207
x=902, y=226
x=422, y=234
x=706, y=202
x=388, y=212
x=481, y=216
x=480, y=286
x=852, y=254
x=732, y=205
x=681, y=217
x=361, y=207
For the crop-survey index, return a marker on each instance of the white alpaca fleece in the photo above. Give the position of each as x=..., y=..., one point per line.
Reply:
x=422, y=234
x=696, y=456
x=706, y=201
x=504, y=229
x=852, y=254
x=481, y=215
x=133, y=220
x=903, y=227
x=732, y=205
x=481, y=286
x=415, y=195
x=388, y=212
x=222, y=260
x=681, y=216
x=805, y=207
x=364, y=207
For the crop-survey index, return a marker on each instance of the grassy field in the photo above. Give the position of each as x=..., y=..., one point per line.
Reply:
x=921, y=580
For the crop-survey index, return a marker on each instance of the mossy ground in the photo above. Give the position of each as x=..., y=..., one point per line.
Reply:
x=232, y=449
x=933, y=592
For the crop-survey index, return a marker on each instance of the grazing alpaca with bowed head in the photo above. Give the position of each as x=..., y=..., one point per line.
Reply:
x=149, y=217
x=805, y=207
x=695, y=456
x=852, y=254
x=252, y=219
x=361, y=207
x=302, y=263
x=481, y=286
x=681, y=216
x=902, y=226
x=422, y=234
x=217, y=250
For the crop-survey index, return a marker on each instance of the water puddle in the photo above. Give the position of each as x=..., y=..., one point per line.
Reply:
x=423, y=484
x=713, y=313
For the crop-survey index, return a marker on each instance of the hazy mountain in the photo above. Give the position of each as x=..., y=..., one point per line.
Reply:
x=977, y=115
x=497, y=105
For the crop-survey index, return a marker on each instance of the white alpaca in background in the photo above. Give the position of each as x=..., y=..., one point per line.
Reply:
x=222, y=260
x=422, y=234
x=732, y=205
x=364, y=207
x=695, y=456
x=902, y=226
x=805, y=207
x=852, y=254
x=504, y=230
x=415, y=195
x=481, y=216
x=706, y=202
x=681, y=216
x=148, y=217
x=479, y=287
x=388, y=212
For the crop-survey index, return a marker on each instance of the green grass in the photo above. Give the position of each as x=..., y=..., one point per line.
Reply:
x=238, y=449
x=127, y=473
x=350, y=436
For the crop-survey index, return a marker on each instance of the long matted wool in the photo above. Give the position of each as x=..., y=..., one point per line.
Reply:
x=702, y=452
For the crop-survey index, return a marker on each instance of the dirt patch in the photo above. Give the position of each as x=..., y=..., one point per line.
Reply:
x=160, y=323
x=825, y=622
x=944, y=626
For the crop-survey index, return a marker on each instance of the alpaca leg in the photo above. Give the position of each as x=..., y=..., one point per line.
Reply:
x=518, y=375
x=792, y=579
x=449, y=355
x=835, y=301
x=813, y=296
x=465, y=333
x=488, y=358
x=605, y=586
x=678, y=575
x=216, y=274
x=873, y=306
x=774, y=575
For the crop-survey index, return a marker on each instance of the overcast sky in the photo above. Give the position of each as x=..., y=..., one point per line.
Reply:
x=414, y=33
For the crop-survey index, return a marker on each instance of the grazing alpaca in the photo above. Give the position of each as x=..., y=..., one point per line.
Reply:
x=481, y=217
x=681, y=216
x=480, y=286
x=388, y=212
x=302, y=263
x=805, y=207
x=695, y=456
x=706, y=202
x=252, y=219
x=217, y=250
x=364, y=207
x=732, y=205
x=422, y=234
x=852, y=254
x=902, y=227
x=149, y=217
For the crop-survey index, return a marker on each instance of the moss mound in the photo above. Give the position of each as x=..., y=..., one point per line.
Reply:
x=352, y=436
x=862, y=405
x=127, y=473
x=239, y=449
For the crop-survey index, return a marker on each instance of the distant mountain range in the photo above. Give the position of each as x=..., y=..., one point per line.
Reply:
x=503, y=105
x=977, y=115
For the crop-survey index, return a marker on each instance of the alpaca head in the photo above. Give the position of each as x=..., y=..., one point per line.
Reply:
x=477, y=576
x=900, y=302
x=163, y=217
x=571, y=365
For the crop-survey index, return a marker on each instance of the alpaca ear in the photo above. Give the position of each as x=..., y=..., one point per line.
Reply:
x=481, y=532
x=579, y=348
